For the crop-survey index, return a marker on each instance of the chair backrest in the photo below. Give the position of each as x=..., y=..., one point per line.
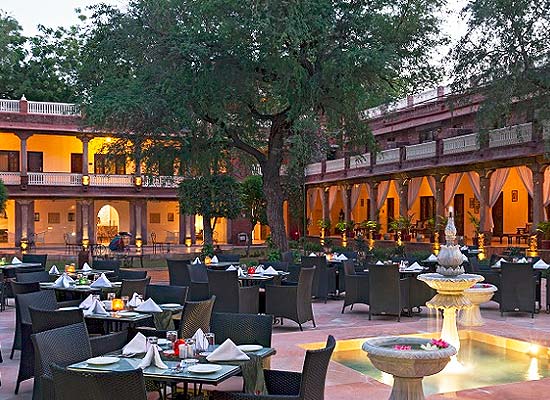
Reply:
x=44, y=320
x=24, y=287
x=349, y=267
x=107, y=265
x=314, y=371
x=320, y=287
x=83, y=257
x=225, y=286
x=252, y=328
x=287, y=256
x=178, y=273
x=88, y=385
x=228, y=257
x=62, y=346
x=278, y=265
x=132, y=274
x=197, y=273
x=38, y=276
x=305, y=288
x=167, y=294
x=44, y=299
x=384, y=288
x=517, y=287
x=351, y=255
x=131, y=286
x=35, y=258
x=195, y=315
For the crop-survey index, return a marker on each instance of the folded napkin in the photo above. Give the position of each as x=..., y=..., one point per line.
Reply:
x=214, y=260
x=231, y=268
x=240, y=272
x=88, y=301
x=53, y=270
x=16, y=260
x=341, y=257
x=259, y=270
x=432, y=257
x=379, y=262
x=102, y=282
x=152, y=357
x=464, y=258
x=149, y=306
x=86, y=267
x=137, y=345
x=497, y=264
x=135, y=301
x=64, y=281
x=541, y=264
x=270, y=271
x=312, y=255
x=196, y=261
x=464, y=248
x=522, y=260
x=96, y=308
x=414, y=266
x=227, y=351
x=201, y=342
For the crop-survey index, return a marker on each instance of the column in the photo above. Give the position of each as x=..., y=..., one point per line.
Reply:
x=484, y=209
x=191, y=225
x=84, y=221
x=85, y=140
x=324, y=203
x=439, y=195
x=138, y=220
x=403, y=185
x=374, y=211
x=24, y=222
x=538, y=184
x=182, y=228
x=347, y=203
x=23, y=136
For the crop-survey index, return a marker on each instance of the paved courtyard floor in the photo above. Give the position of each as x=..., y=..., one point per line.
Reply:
x=343, y=382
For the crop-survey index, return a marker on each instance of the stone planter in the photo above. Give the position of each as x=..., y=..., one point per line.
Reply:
x=408, y=367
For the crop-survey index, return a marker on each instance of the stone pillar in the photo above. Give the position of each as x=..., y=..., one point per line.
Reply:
x=403, y=185
x=484, y=209
x=182, y=228
x=24, y=221
x=23, y=136
x=191, y=225
x=374, y=211
x=138, y=220
x=538, y=184
x=84, y=221
x=347, y=203
x=85, y=140
x=324, y=203
x=439, y=195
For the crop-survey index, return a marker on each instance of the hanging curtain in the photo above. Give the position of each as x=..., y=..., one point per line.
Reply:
x=526, y=176
x=414, y=188
x=313, y=195
x=431, y=183
x=473, y=177
x=451, y=186
x=497, y=181
x=546, y=187
x=383, y=189
x=355, y=193
x=332, y=192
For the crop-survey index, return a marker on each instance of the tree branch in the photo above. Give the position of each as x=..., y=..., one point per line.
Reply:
x=238, y=143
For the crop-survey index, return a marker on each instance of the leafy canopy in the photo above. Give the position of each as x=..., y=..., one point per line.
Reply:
x=253, y=200
x=3, y=196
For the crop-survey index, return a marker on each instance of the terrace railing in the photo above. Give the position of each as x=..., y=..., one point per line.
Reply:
x=387, y=156
x=511, y=135
x=54, y=179
x=10, y=178
x=9, y=105
x=420, y=151
x=461, y=144
x=112, y=180
x=39, y=107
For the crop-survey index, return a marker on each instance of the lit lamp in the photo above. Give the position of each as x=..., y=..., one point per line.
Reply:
x=188, y=242
x=207, y=260
x=85, y=180
x=371, y=240
x=481, y=246
x=322, y=241
x=85, y=244
x=139, y=244
x=70, y=268
x=436, y=246
x=138, y=181
x=24, y=245
x=117, y=305
x=399, y=241
x=344, y=239
x=532, y=250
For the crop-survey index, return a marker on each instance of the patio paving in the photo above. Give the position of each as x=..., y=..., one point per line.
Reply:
x=343, y=382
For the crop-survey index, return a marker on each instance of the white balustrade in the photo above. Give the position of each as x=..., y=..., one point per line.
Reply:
x=511, y=135
x=9, y=105
x=420, y=151
x=387, y=157
x=314, y=169
x=360, y=161
x=335, y=165
x=151, y=181
x=112, y=180
x=40, y=107
x=461, y=144
x=54, y=179
x=10, y=178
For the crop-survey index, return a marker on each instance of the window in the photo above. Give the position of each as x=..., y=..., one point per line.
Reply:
x=427, y=207
x=170, y=217
x=71, y=217
x=154, y=218
x=54, y=218
x=109, y=165
x=9, y=161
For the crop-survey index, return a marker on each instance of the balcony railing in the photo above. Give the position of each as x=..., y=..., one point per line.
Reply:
x=387, y=156
x=420, y=151
x=150, y=181
x=314, y=169
x=511, y=135
x=359, y=161
x=54, y=179
x=9, y=105
x=335, y=165
x=112, y=180
x=10, y=178
x=461, y=144
x=39, y=107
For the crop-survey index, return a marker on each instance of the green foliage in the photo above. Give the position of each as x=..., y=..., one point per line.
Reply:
x=475, y=222
x=3, y=196
x=253, y=200
x=544, y=228
x=312, y=247
x=324, y=223
x=207, y=250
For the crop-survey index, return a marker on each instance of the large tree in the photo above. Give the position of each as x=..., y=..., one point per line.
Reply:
x=254, y=73
x=254, y=203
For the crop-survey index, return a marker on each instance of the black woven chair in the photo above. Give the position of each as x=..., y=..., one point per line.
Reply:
x=230, y=296
x=178, y=273
x=38, y=276
x=162, y=294
x=518, y=284
x=324, y=280
x=107, y=265
x=131, y=274
x=20, y=288
x=131, y=286
x=70, y=385
x=492, y=277
x=35, y=258
x=292, y=302
x=198, y=288
x=195, y=315
x=252, y=329
x=286, y=385
x=277, y=265
x=357, y=286
x=288, y=256
x=228, y=257
x=388, y=293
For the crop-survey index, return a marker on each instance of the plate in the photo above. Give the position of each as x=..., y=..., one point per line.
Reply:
x=67, y=308
x=47, y=283
x=116, y=283
x=162, y=341
x=102, y=360
x=82, y=286
x=128, y=314
x=170, y=305
x=249, y=347
x=204, y=368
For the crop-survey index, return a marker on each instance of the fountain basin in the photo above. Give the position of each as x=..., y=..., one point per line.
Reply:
x=477, y=294
x=450, y=289
x=408, y=367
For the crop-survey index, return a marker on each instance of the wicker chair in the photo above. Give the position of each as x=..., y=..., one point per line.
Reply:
x=287, y=256
x=38, y=276
x=357, y=286
x=131, y=286
x=388, y=294
x=517, y=285
x=324, y=280
x=252, y=329
x=419, y=294
x=231, y=297
x=131, y=274
x=178, y=273
x=292, y=302
x=70, y=385
x=286, y=385
x=35, y=258
x=107, y=265
x=20, y=288
x=167, y=294
x=198, y=288
x=195, y=315
x=229, y=257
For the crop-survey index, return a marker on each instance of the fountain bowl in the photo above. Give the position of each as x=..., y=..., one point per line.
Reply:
x=408, y=367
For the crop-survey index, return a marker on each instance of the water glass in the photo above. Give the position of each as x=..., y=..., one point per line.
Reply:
x=190, y=347
x=125, y=299
x=211, y=338
x=111, y=296
x=172, y=336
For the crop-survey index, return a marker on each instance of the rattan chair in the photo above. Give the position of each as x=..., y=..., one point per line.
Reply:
x=518, y=284
x=38, y=276
x=162, y=294
x=70, y=385
x=131, y=286
x=388, y=293
x=286, y=385
x=195, y=315
x=35, y=258
x=178, y=273
x=230, y=296
x=229, y=257
x=252, y=329
x=131, y=274
x=20, y=288
x=198, y=288
x=292, y=302
x=324, y=280
x=107, y=265
x=357, y=286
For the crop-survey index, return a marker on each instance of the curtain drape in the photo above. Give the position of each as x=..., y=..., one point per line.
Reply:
x=526, y=176
x=546, y=187
x=313, y=196
x=355, y=193
x=431, y=183
x=383, y=189
x=497, y=181
x=473, y=177
x=414, y=188
x=451, y=186
x=332, y=192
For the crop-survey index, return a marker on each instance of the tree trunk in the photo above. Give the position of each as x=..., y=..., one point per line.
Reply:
x=250, y=240
x=207, y=231
x=275, y=199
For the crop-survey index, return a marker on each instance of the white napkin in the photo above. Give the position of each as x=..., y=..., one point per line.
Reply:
x=214, y=260
x=497, y=264
x=522, y=260
x=227, y=351
x=464, y=248
x=88, y=301
x=102, y=282
x=196, y=261
x=464, y=258
x=96, y=308
x=312, y=255
x=64, y=281
x=152, y=357
x=201, y=342
x=137, y=345
x=53, y=270
x=149, y=306
x=341, y=257
x=270, y=271
x=414, y=267
x=135, y=301
x=240, y=272
x=432, y=257
x=379, y=262
x=540, y=264
x=16, y=260
x=231, y=268
x=86, y=267
x=259, y=270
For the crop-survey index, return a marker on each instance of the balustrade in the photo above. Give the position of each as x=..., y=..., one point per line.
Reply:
x=420, y=151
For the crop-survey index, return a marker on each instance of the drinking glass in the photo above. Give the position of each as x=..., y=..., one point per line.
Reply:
x=111, y=296
x=125, y=299
x=191, y=350
x=211, y=338
x=172, y=336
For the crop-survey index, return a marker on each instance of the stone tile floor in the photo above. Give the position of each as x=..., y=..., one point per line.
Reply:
x=342, y=382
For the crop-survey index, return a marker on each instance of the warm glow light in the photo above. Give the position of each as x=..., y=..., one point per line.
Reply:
x=138, y=180
x=207, y=260
x=85, y=244
x=117, y=305
x=534, y=349
x=85, y=180
x=188, y=242
x=108, y=139
x=533, y=370
x=139, y=243
x=24, y=246
x=70, y=268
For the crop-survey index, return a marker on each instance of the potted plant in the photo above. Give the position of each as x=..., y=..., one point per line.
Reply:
x=476, y=224
x=404, y=225
x=544, y=228
x=324, y=225
x=344, y=227
x=371, y=226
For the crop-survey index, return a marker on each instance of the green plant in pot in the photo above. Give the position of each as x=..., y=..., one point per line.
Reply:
x=543, y=228
x=475, y=222
x=404, y=225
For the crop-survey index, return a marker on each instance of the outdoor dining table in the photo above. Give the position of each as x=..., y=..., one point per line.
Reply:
x=221, y=264
x=83, y=272
x=10, y=270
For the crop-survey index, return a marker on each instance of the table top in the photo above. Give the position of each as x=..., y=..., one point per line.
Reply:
x=223, y=264
x=113, y=316
x=89, y=272
x=78, y=288
x=21, y=265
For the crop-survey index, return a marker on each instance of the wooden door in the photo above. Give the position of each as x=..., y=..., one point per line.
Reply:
x=390, y=202
x=458, y=204
x=498, y=212
x=34, y=161
x=76, y=163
